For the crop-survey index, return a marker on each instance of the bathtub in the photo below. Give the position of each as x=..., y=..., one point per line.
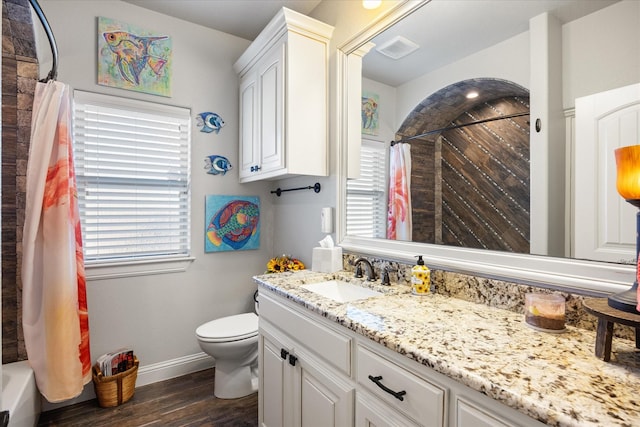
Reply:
x=20, y=395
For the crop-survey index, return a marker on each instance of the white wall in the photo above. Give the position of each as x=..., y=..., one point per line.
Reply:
x=594, y=61
x=157, y=314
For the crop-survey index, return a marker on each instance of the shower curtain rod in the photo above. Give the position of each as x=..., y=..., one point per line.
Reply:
x=52, y=41
x=477, y=122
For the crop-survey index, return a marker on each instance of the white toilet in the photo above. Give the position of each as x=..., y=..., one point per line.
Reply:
x=233, y=342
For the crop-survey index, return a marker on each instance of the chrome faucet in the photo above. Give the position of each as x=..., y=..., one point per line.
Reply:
x=371, y=275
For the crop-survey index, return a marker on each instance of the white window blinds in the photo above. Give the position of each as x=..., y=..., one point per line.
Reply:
x=366, y=196
x=133, y=173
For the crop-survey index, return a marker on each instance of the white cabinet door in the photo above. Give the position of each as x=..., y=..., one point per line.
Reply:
x=271, y=90
x=325, y=400
x=605, y=224
x=249, y=156
x=274, y=382
x=297, y=389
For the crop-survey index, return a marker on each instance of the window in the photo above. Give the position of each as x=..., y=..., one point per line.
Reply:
x=133, y=174
x=367, y=195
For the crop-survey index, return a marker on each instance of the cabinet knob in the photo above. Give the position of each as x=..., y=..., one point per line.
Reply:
x=283, y=353
x=292, y=360
x=378, y=381
x=255, y=168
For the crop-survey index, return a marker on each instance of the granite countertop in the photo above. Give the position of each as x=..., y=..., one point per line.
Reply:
x=552, y=377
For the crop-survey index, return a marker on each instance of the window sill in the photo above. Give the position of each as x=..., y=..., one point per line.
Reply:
x=137, y=268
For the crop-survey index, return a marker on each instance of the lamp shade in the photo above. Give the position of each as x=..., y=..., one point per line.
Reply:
x=628, y=166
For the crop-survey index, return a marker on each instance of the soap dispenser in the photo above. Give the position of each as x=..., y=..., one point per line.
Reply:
x=420, y=278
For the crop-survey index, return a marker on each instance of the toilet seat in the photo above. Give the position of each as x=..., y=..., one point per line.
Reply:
x=231, y=328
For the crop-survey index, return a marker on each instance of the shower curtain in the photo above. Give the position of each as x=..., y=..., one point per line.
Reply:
x=54, y=310
x=399, y=214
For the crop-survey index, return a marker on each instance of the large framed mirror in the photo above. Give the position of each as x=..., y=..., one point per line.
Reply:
x=525, y=53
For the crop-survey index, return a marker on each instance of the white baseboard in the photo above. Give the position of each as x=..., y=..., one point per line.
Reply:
x=168, y=369
x=147, y=374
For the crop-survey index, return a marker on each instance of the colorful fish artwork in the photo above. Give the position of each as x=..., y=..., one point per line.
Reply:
x=369, y=112
x=234, y=225
x=217, y=165
x=209, y=122
x=133, y=58
x=132, y=54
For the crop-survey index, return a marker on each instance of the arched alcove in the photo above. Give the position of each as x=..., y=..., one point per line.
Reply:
x=470, y=183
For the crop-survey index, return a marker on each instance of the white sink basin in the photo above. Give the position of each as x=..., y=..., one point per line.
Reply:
x=340, y=291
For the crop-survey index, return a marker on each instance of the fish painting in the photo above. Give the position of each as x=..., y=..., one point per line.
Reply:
x=217, y=165
x=234, y=224
x=132, y=54
x=209, y=122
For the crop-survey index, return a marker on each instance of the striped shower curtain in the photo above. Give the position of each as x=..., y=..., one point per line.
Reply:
x=54, y=309
x=399, y=209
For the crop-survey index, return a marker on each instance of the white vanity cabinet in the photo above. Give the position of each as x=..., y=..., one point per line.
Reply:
x=284, y=100
x=304, y=370
x=314, y=372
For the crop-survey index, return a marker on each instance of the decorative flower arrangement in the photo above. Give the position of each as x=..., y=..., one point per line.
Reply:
x=283, y=263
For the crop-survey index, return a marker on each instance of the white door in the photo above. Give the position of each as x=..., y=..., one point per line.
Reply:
x=605, y=224
x=274, y=374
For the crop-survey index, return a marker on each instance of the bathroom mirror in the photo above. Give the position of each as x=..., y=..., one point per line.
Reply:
x=592, y=276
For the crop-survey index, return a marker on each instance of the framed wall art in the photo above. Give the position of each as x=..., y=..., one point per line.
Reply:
x=370, y=102
x=232, y=223
x=133, y=58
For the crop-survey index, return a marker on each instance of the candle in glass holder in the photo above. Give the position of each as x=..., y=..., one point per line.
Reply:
x=545, y=311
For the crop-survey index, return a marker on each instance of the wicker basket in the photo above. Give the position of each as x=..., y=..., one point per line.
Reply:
x=116, y=389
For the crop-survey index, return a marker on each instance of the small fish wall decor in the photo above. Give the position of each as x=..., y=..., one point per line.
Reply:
x=132, y=58
x=217, y=165
x=232, y=223
x=209, y=122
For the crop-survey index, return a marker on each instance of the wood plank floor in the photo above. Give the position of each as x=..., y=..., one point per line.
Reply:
x=182, y=401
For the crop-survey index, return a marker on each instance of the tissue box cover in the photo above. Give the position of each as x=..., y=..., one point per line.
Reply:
x=326, y=260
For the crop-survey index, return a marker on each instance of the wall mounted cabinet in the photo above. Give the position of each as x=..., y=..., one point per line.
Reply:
x=284, y=100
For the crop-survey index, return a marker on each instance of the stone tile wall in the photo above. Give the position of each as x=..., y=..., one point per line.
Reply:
x=19, y=77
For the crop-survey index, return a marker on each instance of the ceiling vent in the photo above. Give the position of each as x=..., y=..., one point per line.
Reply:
x=398, y=47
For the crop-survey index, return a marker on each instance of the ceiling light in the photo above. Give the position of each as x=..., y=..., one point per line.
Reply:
x=371, y=4
x=472, y=94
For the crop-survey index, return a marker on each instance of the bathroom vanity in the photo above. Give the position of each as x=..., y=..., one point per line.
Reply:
x=397, y=359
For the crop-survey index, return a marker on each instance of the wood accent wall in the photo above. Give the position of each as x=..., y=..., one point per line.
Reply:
x=470, y=186
x=19, y=77
x=485, y=179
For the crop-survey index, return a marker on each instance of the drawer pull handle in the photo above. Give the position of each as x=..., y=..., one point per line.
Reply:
x=378, y=381
x=283, y=353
